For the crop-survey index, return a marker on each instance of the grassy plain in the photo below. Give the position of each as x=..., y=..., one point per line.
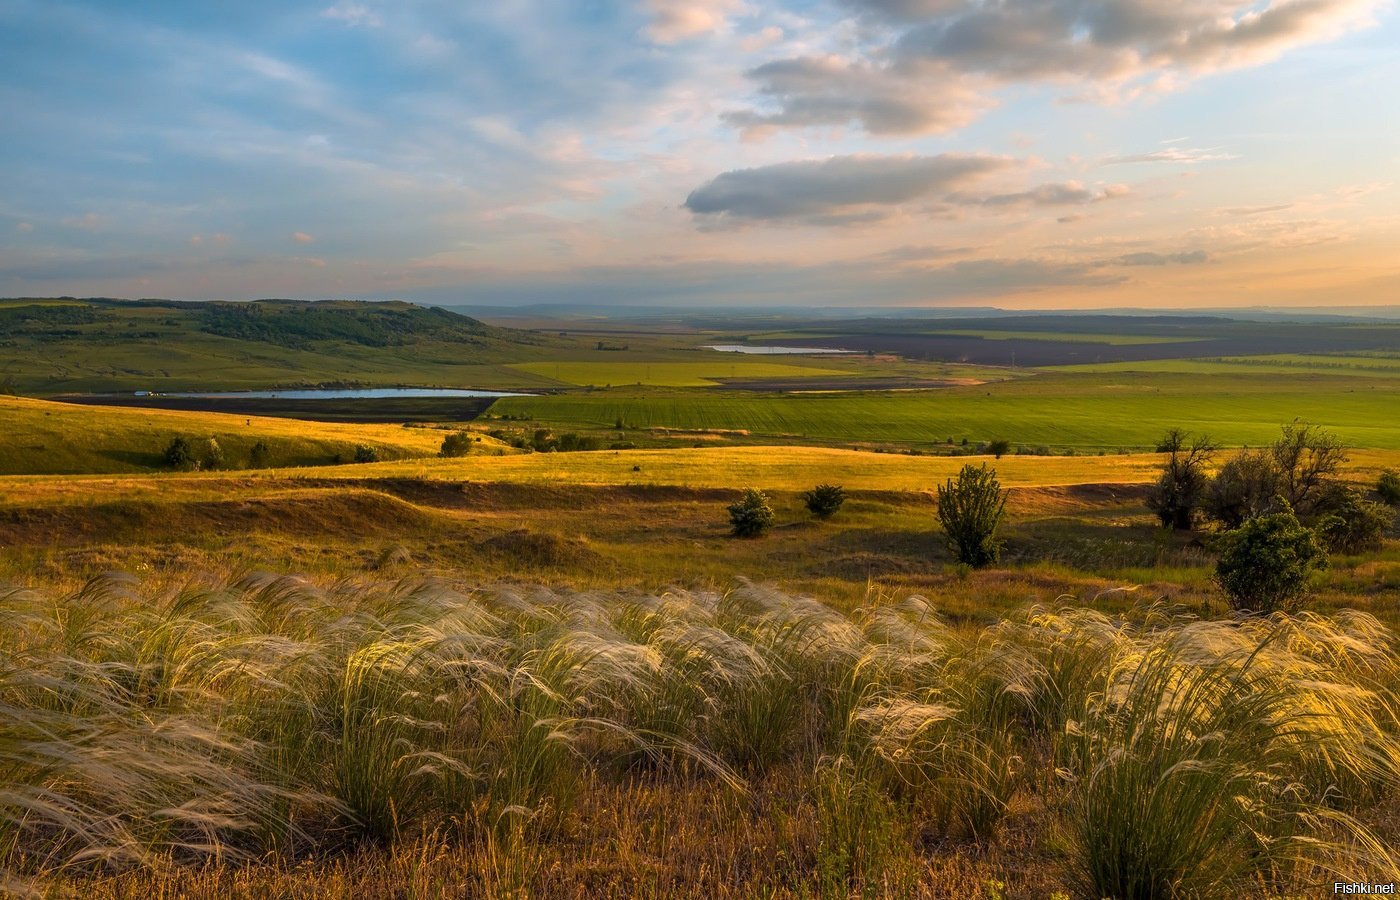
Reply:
x=44, y=437
x=1081, y=411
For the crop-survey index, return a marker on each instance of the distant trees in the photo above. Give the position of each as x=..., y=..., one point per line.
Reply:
x=1297, y=471
x=824, y=500
x=751, y=515
x=1177, y=494
x=179, y=454
x=970, y=510
x=183, y=454
x=364, y=453
x=999, y=448
x=458, y=443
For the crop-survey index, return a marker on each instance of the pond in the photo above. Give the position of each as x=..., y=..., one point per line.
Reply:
x=329, y=394
x=771, y=351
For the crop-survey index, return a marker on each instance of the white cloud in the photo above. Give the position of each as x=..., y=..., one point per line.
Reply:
x=352, y=14
x=302, y=237
x=680, y=20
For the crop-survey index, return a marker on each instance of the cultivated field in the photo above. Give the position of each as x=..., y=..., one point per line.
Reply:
x=1084, y=412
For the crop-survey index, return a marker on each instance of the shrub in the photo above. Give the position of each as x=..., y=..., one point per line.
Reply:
x=213, y=456
x=260, y=456
x=999, y=448
x=1246, y=486
x=364, y=453
x=456, y=444
x=1349, y=523
x=1388, y=487
x=179, y=454
x=824, y=500
x=970, y=509
x=571, y=442
x=751, y=515
x=1266, y=564
x=1178, y=492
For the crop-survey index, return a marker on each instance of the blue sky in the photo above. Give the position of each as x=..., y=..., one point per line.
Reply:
x=1021, y=153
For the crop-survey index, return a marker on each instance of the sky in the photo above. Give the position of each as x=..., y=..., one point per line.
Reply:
x=1014, y=153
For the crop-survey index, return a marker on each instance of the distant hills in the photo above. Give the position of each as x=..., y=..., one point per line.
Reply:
x=54, y=345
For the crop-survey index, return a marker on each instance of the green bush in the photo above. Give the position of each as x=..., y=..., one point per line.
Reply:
x=364, y=453
x=751, y=515
x=570, y=442
x=1349, y=523
x=1388, y=487
x=260, y=456
x=970, y=509
x=824, y=500
x=213, y=456
x=999, y=448
x=456, y=444
x=1266, y=564
x=1246, y=486
x=179, y=454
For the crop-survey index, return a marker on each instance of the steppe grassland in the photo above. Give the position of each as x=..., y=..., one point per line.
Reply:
x=491, y=730
x=46, y=437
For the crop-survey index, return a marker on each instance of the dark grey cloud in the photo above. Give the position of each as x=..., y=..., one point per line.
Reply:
x=841, y=186
x=815, y=91
x=1148, y=258
x=932, y=65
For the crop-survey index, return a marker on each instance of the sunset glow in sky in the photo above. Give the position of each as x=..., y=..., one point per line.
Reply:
x=1017, y=153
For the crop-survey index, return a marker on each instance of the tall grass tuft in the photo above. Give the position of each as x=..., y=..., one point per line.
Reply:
x=268, y=715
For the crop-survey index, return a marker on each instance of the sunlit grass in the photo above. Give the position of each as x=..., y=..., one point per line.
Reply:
x=222, y=722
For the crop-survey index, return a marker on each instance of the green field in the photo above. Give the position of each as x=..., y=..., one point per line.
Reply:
x=705, y=373
x=1063, y=411
x=1360, y=365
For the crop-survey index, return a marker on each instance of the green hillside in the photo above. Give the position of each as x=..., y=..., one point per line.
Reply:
x=52, y=346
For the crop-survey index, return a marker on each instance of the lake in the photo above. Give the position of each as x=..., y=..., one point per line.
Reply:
x=771, y=351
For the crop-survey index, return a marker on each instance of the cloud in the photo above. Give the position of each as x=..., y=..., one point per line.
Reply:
x=302, y=237
x=840, y=186
x=1169, y=155
x=1147, y=258
x=1069, y=193
x=929, y=65
x=680, y=20
x=24, y=227
x=829, y=90
x=352, y=14
x=87, y=221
